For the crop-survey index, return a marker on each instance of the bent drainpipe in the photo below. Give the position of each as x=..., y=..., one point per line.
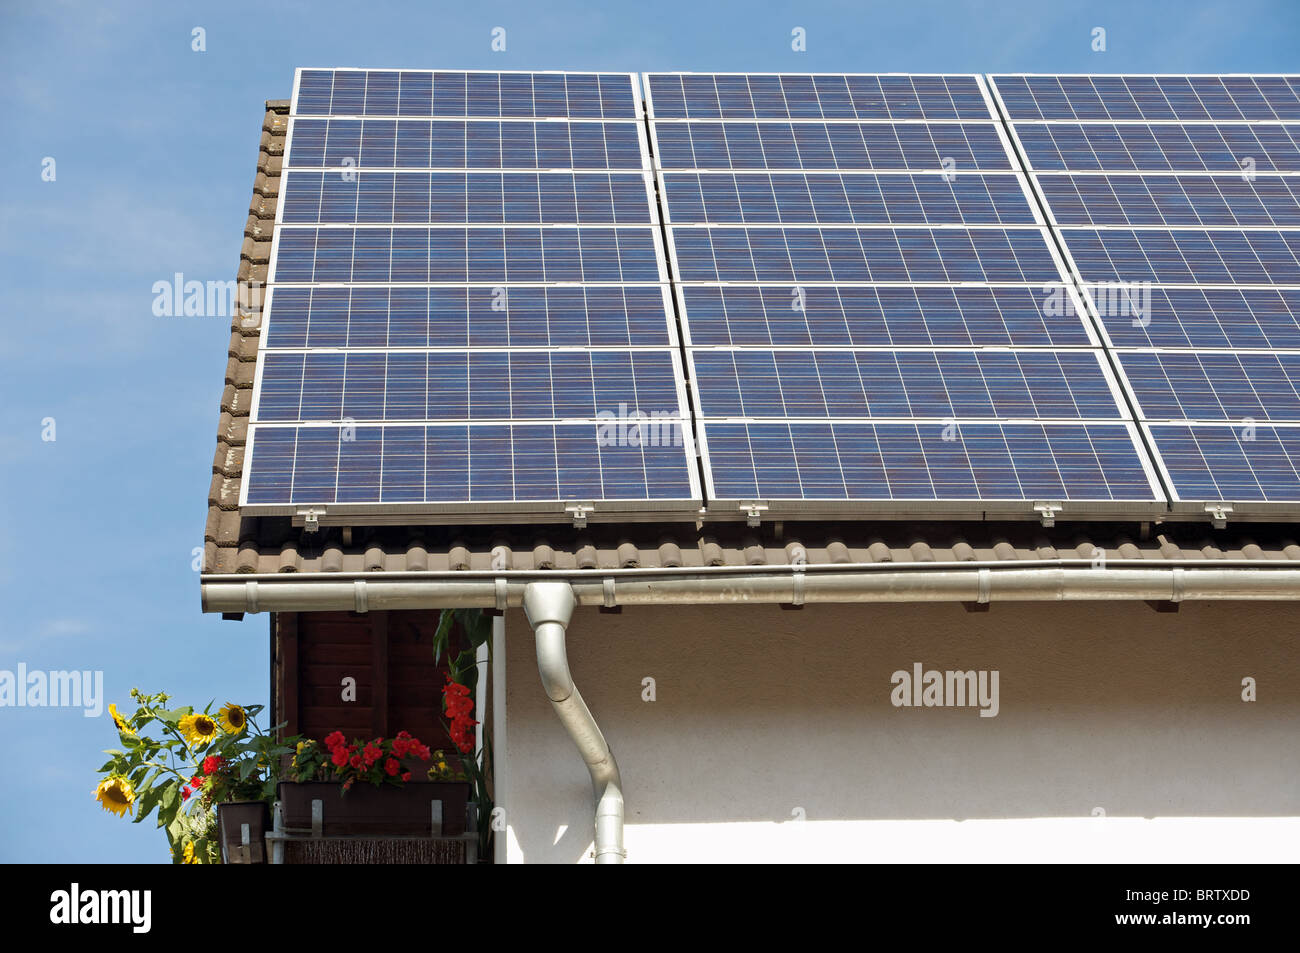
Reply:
x=549, y=606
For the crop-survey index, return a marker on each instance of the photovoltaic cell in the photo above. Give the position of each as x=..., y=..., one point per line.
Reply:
x=561, y=198
x=987, y=462
x=822, y=145
x=458, y=464
x=1212, y=201
x=837, y=199
x=1182, y=98
x=1129, y=147
x=804, y=96
x=1242, y=464
x=463, y=144
x=906, y=384
x=342, y=92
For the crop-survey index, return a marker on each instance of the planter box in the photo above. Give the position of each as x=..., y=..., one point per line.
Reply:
x=232, y=817
x=417, y=808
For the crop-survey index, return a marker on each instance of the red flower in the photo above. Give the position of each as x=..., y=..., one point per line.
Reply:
x=372, y=754
x=339, y=757
x=185, y=793
x=334, y=740
x=211, y=763
x=196, y=782
x=391, y=766
x=403, y=735
x=406, y=775
x=355, y=761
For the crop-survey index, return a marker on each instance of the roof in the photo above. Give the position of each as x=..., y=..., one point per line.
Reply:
x=238, y=544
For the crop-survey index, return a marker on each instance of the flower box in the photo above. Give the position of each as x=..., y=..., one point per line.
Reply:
x=417, y=808
x=232, y=817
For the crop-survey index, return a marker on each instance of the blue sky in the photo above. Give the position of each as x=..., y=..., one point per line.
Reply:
x=155, y=148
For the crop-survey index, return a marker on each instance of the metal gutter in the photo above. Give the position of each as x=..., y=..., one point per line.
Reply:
x=1021, y=580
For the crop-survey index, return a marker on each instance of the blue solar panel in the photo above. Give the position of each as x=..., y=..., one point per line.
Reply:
x=458, y=464
x=814, y=96
x=447, y=330
x=451, y=255
x=375, y=386
x=854, y=199
x=1211, y=318
x=906, y=384
x=1241, y=463
x=836, y=146
x=343, y=92
x=1207, y=257
x=1186, y=256
x=464, y=144
x=1215, y=385
x=1268, y=200
x=1197, y=147
x=1184, y=98
x=862, y=254
x=458, y=317
x=866, y=316
x=984, y=462
x=530, y=198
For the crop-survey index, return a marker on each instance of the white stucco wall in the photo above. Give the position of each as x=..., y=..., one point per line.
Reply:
x=761, y=714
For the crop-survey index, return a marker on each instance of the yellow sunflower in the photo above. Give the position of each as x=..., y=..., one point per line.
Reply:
x=188, y=856
x=116, y=794
x=118, y=720
x=233, y=718
x=198, y=729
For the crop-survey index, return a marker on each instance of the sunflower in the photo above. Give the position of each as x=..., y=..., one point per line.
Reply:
x=188, y=856
x=116, y=794
x=118, y=720
x=198, y=729
x=233, y=718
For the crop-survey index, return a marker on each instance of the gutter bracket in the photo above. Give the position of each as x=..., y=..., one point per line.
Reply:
x=501, y=591
x=359, y=594
x=1179, y=582
x=985, y=583
x=579, y=512
x=250, y=595
x=1218, y=514
x=753, y=510
x=311, y=518
x=1047, y=511
x=797, y=579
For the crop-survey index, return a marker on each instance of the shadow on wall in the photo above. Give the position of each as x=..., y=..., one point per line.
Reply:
x=761, y=714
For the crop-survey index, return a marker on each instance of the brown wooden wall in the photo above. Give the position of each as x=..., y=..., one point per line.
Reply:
x=390, y=654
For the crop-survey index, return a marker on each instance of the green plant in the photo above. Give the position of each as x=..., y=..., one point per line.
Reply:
x=190, y=762
x=458, y=703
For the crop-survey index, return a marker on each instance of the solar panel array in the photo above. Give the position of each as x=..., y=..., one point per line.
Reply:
x=1177, y=203
x=537, y=293
x=468, y=305
x=861, y=277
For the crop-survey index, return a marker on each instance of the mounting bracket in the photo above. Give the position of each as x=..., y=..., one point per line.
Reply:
x=1218, y=514
x=311, y=518
x=1047, y=511
x=753, y=510
x=579, y=512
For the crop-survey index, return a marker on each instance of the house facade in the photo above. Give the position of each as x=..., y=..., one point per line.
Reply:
x=813, y=690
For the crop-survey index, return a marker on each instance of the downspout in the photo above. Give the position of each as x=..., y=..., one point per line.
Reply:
x=549, y=607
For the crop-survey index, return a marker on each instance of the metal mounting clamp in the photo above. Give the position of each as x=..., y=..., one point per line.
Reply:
x=311, y=518
x=1047, y=511
x=1218, y=514
x=579, y=512
x=753, y=510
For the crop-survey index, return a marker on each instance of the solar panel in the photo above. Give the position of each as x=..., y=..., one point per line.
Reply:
x=874, y=314
x=468, y=311
x=1177, y=210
